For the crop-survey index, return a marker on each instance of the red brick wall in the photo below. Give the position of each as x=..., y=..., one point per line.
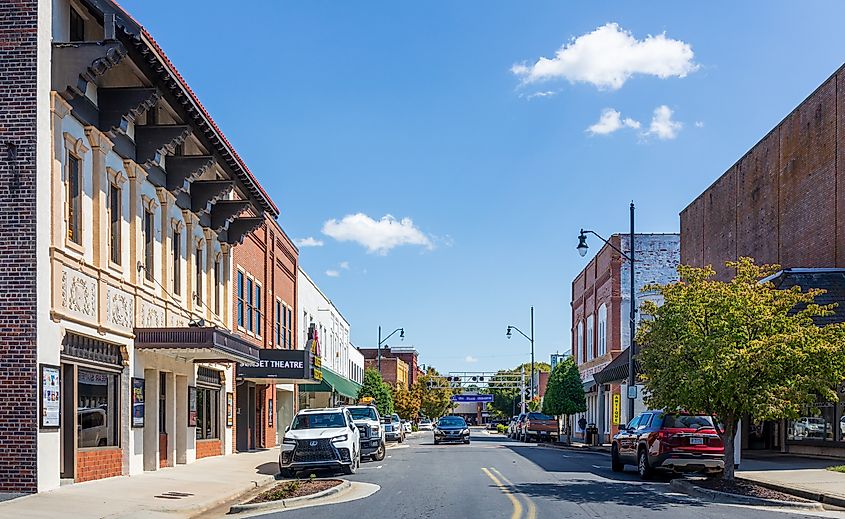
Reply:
x=270, y=258
x=206, y=448
x=18, y=377
x=782, y=201
x=98, y=464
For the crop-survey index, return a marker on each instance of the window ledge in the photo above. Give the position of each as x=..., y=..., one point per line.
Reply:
x=106, y=448
x=75, y=247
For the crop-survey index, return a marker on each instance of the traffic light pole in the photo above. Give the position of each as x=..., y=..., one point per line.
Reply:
x=522, y=390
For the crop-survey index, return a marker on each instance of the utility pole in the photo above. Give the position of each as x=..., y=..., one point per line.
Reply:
x=533, y=394
x=522, y=390
x=632, y=349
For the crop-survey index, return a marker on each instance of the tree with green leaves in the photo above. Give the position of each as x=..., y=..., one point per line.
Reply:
x=379, y=390
x=736, y=348
x=435, y=394
x=406, y=403
x=564, y=392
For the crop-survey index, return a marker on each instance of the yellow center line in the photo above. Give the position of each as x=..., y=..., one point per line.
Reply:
x=532, y=508
x=517, y=506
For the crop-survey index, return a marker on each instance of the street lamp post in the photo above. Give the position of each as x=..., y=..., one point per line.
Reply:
x=382, y=341
x=531, y=340
x=632, y=349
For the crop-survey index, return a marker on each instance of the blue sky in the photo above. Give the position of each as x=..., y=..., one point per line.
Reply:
x=414, y=110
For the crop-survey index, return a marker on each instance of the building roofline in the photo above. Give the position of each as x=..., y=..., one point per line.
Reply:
x=766, y=136
x=327, y=298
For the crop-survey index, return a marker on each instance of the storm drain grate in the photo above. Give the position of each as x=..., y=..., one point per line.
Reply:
x=173, y=495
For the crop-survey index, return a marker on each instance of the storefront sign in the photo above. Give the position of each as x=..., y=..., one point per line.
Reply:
x=230, y=410
x=192, y=406
x=632, y=392
x=51, y=403
x=617, y=408
x=137, y=402
x=283, y=365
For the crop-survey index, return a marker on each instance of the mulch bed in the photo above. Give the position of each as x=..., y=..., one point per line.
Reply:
x=295, y=488
x=744, y=488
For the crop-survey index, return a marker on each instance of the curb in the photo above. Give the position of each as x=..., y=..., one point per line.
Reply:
x=824, y=499
x=201, y=509
x=284, y=503
x=723, y=497
x=601, y=450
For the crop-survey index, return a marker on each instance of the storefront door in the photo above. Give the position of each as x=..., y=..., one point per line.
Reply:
x=162, y=420
x=245, y=417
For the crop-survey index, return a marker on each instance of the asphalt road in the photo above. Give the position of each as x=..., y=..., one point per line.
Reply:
x=494, y=477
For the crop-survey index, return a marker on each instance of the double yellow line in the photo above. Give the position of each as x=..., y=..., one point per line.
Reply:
x=509, y=490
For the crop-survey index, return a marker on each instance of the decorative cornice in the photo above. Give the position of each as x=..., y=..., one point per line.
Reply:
x=98, y=139
x=58, y=105
x=150, y=204
x=116, y=177
x=75, y=144
x=177, y=224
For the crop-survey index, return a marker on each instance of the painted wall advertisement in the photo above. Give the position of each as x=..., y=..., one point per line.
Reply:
x=50, y=396
x=192, y=406
x=137, y=402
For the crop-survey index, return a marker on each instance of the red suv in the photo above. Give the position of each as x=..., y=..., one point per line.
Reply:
x=671, y=441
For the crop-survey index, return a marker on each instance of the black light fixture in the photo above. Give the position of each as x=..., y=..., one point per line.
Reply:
x=402, y=334
x=508, y=335
x=582, y=244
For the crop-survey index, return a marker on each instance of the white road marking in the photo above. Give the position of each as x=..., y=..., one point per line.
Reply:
x=597, y=467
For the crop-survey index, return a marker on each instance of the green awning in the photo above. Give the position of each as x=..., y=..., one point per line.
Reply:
x=333, y=382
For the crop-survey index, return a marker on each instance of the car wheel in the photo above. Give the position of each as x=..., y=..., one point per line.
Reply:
x=643, y=466
x=437, y=442
x=352, y=468
x=466, y=441
x=379, y=454
x=287, y=473
x=616, y=464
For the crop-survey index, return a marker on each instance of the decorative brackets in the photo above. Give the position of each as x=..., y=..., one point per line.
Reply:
x=76, y=64
x=204, y=193
x=183, y=169
x=240, y=227
x=153, y=141
x=224, y=211
x=120, y=106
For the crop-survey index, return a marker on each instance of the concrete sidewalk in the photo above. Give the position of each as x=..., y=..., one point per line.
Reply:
x=184, y=491
x=804, y=477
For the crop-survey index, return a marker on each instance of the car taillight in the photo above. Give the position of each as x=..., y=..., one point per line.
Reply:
x=665, y=438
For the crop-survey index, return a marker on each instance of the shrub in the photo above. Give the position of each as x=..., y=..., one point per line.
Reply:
x=501, y=428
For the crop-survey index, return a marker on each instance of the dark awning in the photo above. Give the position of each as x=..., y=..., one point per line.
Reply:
x=616, y=371
x=199, y=344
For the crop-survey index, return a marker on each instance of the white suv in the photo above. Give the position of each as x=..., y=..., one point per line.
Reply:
x=320, y=438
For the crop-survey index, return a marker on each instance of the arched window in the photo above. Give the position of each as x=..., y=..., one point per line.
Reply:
x=602, y=330
x=590, y=337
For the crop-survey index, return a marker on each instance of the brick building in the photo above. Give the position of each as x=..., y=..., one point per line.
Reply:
x=781, y=203
x=117, y=356
x=408, y=354
x=601, y=298
x=394, y=370
x=264, y=310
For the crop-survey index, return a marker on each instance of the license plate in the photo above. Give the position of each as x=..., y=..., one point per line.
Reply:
x=696, y=441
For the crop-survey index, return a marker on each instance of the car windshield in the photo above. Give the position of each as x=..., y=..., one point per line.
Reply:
x=318, y=421
x=684, y=421
x=539, y=416
x=452, y=421
x=363, y=413
x=395, y=417
x=815, y=420
x=425, y=421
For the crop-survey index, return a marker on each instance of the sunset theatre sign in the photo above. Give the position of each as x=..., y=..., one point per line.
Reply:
x=279, y=367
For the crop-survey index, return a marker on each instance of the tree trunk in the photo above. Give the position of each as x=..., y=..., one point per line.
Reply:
x=728, y=436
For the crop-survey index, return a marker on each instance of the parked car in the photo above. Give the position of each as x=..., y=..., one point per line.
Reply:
x=539, y=426
x=406, y=427
x=393, y=428
x=320, y=438
x=668, y=441
x=451, y=429
x=371, y=434
x=425, y=425
x=518, y=425
x=809, y=427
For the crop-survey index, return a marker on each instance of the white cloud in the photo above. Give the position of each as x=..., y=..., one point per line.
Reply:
x=611, y=121
x=699, y=124
x=662, y=124
x=333, y=273
x=470, y=359
x=609, y=56
x=544, y=93
x=308, y=242
x=344, y=265
x=378, y=236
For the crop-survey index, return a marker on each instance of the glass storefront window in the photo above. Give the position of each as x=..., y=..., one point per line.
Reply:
x=96, y=408
x=208, y=411
x=817, y=422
